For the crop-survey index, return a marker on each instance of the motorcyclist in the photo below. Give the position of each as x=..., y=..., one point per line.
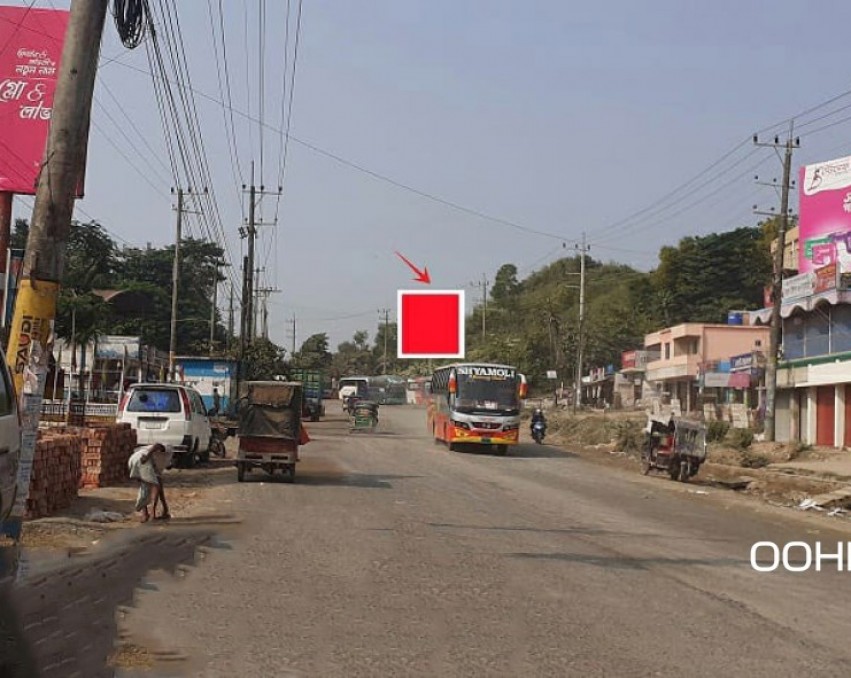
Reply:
x=538, y=416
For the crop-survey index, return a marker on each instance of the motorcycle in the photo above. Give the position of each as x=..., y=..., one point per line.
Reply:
x=539, y=430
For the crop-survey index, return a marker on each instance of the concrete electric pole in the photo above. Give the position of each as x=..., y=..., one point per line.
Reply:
x=386, y=313
x=777, y=283
x=175, y=279
x=31, y=336
x=580, y=344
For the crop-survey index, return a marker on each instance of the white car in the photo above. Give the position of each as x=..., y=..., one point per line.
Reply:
x=10, y=442
x=170, y=414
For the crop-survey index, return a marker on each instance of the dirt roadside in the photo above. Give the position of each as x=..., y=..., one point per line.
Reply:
x=782, y=475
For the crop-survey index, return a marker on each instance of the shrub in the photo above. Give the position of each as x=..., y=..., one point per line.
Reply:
x=717, y=431
x=630, y=437
x=740, y=438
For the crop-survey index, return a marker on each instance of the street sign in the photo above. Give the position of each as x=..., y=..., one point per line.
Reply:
x=552, y=374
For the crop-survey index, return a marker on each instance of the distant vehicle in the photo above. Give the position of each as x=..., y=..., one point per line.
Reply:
x=349, y=385
x=171, y=414
x=311, y=381
x=10, y=442
x=418, y=390
x=477, y=404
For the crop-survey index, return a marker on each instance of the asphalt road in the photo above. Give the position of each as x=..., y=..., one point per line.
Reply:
x=391, y=556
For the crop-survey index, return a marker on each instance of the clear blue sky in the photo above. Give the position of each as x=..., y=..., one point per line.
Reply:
x=558, y=116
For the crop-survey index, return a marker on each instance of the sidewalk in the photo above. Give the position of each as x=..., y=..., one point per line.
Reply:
x=837, y=468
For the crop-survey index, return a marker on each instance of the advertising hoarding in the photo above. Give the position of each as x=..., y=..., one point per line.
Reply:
x=117, y=347
x=825, y=215
x=826, y=278
x=798, y=286
x=31, y=41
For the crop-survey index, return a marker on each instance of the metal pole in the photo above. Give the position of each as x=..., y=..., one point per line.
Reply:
x=175, y=277
x=776, y=320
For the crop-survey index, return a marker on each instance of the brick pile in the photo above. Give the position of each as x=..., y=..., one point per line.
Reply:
x=104, y=455
x=56, y=473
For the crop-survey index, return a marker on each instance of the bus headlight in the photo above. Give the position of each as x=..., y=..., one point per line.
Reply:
x=511, y=427
x=461, y=424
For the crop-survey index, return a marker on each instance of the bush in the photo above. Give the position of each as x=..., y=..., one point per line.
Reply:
x=630, y=437
x=717, y=431
x=740, y=438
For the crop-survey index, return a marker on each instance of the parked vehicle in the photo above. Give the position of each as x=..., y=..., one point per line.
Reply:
x=10, y=442
x=269, y=428
x=312, y=381
x=171, y=414
x=539, y=431
x=677, y=447
x=365, y=416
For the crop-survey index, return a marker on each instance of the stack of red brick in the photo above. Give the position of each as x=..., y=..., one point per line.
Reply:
x=55, y=474
x=105, y=452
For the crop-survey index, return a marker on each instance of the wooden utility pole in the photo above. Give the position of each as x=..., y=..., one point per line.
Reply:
x=777, y=282
x=31, y=337
x=230, y=317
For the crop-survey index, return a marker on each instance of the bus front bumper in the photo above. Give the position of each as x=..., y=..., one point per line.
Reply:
x=462, y=435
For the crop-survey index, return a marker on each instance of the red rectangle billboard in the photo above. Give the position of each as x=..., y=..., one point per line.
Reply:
x=431, y=324
x=31, y=43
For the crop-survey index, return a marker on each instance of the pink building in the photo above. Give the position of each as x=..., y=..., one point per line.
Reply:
x=686, y=350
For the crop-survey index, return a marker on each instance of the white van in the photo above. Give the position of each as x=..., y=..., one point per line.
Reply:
x=171, y=414
x=10, y=442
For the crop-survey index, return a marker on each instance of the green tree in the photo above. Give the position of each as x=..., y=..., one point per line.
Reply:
x=264, y=360
x=704, y=276
x=314, y=353
x=505, y=285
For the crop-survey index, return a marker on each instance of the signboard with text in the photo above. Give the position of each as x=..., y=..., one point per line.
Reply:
x=798, y=286
x=826, y=278
x=825, y=215
x=31, y=42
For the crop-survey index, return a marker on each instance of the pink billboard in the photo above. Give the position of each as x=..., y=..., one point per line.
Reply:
x=30, y=47
x=825, y=216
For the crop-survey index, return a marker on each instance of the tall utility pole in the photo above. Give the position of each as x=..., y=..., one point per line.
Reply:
x=293, y=336
x=483, y=284
x=31, y=336
x=175, y=278
x=386, y=313
x=777, y=283
x=230, y=317
x=214, y=303
x=250, y=232
x=263, y=303
x=580, y=358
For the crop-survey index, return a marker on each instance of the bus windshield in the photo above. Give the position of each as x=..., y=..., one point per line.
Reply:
x=486, y=396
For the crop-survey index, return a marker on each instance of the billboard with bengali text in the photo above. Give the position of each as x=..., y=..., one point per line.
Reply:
x=31, y=43
x=825, y=215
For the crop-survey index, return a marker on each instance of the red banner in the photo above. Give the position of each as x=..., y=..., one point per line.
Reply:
x=31, y=43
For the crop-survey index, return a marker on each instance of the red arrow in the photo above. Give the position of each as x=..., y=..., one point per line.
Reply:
x=422, y=276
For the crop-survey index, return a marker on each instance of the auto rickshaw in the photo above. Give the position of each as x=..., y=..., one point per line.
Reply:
x=269, y=428
x=677, y=447
x=365, y=416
